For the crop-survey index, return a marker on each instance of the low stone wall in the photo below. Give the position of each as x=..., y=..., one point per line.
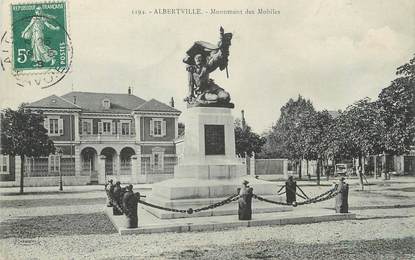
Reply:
x=152, y=178
x=48, y=181
x=9, y=183
x=272, y=177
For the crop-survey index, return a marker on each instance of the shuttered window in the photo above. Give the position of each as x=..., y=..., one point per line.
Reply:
x=53, y=125
x=87, y=126
x=157, y=127
x=4, y=164
x=107, y=127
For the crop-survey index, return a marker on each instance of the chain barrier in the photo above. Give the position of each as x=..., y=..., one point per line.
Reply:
x=188, y=211
x=220, y=203
x=322, y=197
x=270, y=201
x=162, y=208
x=191, y=210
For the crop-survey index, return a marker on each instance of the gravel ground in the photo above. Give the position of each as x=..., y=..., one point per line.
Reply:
x=72, y=226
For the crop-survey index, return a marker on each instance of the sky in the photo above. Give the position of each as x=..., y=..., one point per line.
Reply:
x=333, y=52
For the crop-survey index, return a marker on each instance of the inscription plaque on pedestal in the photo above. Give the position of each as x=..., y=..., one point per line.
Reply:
x=214, y=139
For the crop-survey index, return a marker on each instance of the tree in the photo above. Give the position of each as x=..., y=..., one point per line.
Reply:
x=397, y=111
x=316, y=132
x=289, y=135
x=24, y=135
x=246, y=141
x=359, y=131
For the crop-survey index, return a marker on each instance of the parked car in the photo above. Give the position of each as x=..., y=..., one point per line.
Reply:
x=343, y=169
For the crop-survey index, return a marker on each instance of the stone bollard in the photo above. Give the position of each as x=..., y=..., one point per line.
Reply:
x=291, y=190
x=342, y=205
x=245, y=201
x=109, y=189
x=130, y=201
x=117, y=199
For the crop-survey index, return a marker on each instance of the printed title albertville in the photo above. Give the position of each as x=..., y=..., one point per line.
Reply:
x=212, y=11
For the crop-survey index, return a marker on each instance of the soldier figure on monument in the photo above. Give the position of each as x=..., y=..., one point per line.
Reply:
x=203, y=58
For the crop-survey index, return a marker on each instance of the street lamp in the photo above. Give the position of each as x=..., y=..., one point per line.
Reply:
x=60, y=153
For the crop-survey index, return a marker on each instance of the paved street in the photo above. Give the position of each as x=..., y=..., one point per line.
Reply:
x=46, y=224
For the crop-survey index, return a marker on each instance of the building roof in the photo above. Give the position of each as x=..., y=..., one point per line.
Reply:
x=93, y=102
x=53, y=101
x=156, y=106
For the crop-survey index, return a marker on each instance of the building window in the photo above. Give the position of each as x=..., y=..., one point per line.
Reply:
x=87, y=126
x=106, y=103
x=157, y=159
x=4, y=164
x=157, y=127
x=106, y=128
x=54, y=125
x=54, y=163
x=125, y=128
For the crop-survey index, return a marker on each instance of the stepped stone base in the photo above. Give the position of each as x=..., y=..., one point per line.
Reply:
x=192, y=193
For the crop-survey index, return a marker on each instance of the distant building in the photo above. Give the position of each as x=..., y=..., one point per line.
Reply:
x=102, y=136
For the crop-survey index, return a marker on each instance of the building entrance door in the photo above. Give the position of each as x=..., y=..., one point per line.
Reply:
x=110, y=155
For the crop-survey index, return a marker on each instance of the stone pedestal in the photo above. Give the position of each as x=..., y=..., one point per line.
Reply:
x=209, y=171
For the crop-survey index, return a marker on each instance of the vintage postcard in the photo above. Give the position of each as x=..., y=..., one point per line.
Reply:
x=207, y=129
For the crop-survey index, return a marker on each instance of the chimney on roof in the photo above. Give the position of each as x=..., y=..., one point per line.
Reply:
x=172, y=102
x=129, y=90
x=74, y=100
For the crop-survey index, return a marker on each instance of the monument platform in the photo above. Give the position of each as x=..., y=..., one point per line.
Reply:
x=147, y=223
x=187, y=193
x=209, y=171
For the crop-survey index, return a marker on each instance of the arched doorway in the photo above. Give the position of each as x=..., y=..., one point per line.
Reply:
x=125, y=157
x=110, y=160
x=89, y=161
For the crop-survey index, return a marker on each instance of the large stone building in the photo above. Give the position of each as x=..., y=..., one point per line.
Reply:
x=100, y=136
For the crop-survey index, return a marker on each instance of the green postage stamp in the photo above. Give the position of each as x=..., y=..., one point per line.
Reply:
x=40, y=38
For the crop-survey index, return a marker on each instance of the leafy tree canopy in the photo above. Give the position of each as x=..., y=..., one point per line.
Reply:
x=246, y=141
